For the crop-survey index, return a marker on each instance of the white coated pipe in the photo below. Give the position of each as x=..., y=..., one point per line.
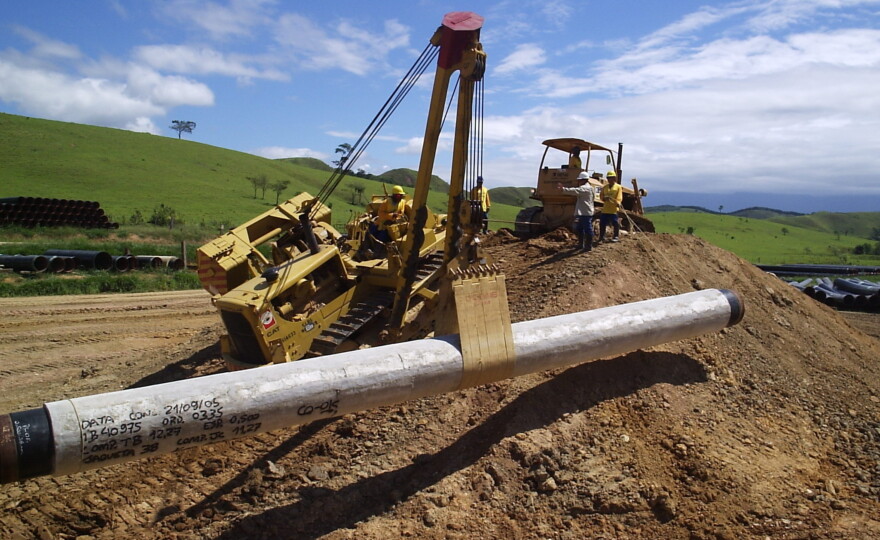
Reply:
x=106, y=429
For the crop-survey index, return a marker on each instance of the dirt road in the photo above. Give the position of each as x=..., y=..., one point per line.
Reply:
x=770, y=428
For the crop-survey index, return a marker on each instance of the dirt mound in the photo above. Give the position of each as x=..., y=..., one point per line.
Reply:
x=767, y=429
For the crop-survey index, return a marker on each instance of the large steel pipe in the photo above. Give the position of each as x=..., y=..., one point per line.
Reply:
x=857, y=286
x=122, y=263
x=77, y=434
x=149, y=261
x=96, y=260
x=24, y=263
x=173, y=263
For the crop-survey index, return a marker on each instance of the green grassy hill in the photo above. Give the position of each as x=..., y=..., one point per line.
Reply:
x=766, y=241
x=407, y=177
x=857, y=224
x=127, y=172
x=513, y=196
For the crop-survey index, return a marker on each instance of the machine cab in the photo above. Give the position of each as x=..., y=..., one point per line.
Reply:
x=555, y=166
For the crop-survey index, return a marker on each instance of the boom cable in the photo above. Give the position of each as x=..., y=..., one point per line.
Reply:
x=409, y=80
x=475, y=144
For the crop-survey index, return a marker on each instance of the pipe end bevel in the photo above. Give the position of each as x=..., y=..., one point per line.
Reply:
x=737, y=307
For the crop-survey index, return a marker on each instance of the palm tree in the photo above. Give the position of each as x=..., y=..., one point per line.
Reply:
x=345, y=150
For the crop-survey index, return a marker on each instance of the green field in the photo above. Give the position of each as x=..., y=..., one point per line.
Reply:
x=762, y=241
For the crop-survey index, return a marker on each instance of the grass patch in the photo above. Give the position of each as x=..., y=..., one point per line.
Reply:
x=98, y=283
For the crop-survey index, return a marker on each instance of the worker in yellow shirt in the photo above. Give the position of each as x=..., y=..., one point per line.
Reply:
x=480, y=195
x=574, y=159
x=391, y=210
x=612, y=197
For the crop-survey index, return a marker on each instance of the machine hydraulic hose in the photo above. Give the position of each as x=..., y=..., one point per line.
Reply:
x=73, y=435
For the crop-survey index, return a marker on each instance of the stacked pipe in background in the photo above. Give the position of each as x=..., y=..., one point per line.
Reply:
x=43, y=212
x=844, y=293
x=68, y=260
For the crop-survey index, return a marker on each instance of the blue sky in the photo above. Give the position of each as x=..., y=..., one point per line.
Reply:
x=742, y=103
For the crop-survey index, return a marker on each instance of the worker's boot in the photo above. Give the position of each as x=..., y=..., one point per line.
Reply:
x=588, y=245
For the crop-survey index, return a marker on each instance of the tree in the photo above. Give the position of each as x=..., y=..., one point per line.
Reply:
x=345, y=150
x=259, y=182
x=720, y=207
x=182, y=126
x=784, y=231
x=278, y=187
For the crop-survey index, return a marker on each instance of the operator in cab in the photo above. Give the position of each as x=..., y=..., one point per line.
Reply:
x=392, y=210
x=574, y=159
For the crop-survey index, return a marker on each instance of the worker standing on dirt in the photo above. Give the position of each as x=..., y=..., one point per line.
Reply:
x=583, y=210
x=612, y=197
x=574, y=159
x=481, y=195
x=390, y=211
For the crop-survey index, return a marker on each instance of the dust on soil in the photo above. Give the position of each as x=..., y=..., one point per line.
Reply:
x=767, y=429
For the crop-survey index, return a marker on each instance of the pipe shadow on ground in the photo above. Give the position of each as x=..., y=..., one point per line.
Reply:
x=322, y=511
x=183, y=369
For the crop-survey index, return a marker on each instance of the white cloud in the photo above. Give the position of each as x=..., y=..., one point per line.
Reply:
x=58, y=96
x=280, y=152
x=525, y=56
x=234, y=19
x=142, y=124
x=413, y=145
x=167, y=90
x=112, y=93
x=347, y=47
x=738, y=59
x=202, y=60
x=776, y=132
x=45, y=47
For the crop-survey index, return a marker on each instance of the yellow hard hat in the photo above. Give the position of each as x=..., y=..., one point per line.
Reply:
x=397, y=190
x=611, y=174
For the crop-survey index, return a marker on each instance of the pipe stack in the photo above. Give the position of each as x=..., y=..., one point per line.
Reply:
x=51, y=264
x=43, y=212
x=845, y=293
x=56, y=261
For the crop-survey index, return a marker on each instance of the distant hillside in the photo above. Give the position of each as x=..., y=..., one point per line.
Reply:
x=859, y=224
x=856, y=224
x=754, y=212
x=760, y=212
x=514, y=196
x=312, y=163
x=407, y=178
x=673, y=208
x=130, y=173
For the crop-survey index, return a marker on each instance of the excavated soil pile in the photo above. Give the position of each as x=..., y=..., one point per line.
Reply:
x=767, y=429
